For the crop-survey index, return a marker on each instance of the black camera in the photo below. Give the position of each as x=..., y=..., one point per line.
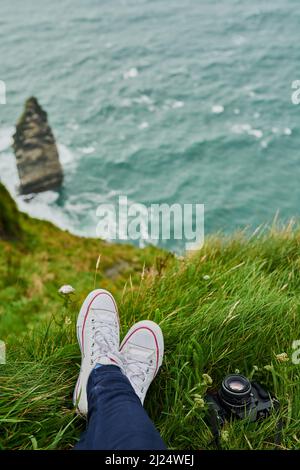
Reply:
x=238, y=398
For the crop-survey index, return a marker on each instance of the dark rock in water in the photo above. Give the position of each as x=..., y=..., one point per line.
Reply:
x=36, y=152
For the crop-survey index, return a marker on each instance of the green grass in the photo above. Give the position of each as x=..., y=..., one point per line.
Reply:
x=234, y=305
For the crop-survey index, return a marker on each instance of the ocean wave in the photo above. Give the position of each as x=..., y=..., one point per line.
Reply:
x=247, y=129
x=87, y=150
x=143, y=99
x=131, y=73
x=143, y=125
x=217, y=109
x=66, y=156
x=178, y=104
x=6, y=134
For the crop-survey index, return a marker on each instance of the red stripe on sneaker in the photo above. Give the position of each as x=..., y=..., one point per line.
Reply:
x=87, y=312
x=112, y=360
x=155, y=339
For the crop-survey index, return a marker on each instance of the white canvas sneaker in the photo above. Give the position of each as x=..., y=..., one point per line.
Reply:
x=98, y=334
x=142, y=350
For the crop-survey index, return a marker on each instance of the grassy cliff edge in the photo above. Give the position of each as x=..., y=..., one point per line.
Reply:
x=233, y=305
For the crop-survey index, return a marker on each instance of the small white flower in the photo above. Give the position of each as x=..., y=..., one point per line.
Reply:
x=206, y=277
x=66, y=290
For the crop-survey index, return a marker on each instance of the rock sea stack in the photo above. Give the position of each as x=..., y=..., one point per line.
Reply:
x=36, y=152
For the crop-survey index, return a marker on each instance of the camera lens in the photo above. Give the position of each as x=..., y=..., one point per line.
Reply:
x=236, y=386
x=235, y=391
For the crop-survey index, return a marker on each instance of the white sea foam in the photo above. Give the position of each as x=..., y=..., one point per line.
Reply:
x=256, y=133
x=6, y=137
x=144, y=125
x=285, y=131
x=43, y=206
x=177, y=104
x=8, y=172
x=247, y=129
x=131, y=73
x=73, y=125
x=88, y=150
x=249, y=91
x=144, y=99
x=126, y=103
x=217, y=109
x=240, y=128
x=264, y=143
x=8, y=169
x=65, y=154
x=77, y=206
x=239, y=40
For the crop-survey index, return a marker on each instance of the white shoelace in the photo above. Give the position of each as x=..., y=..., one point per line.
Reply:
x=137, y=370
x=104, y=339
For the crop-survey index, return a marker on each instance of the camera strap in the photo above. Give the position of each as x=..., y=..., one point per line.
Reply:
x=215, y=430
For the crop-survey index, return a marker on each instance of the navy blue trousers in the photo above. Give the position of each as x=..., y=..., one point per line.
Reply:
x=116, y=418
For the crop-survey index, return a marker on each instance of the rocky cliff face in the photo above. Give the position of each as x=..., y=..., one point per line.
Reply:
x=36, y=152
x=9, y=216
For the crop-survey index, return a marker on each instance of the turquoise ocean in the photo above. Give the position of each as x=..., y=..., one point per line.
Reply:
x=164, y=101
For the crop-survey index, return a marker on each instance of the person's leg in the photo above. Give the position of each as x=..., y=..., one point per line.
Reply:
x=116, y=417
